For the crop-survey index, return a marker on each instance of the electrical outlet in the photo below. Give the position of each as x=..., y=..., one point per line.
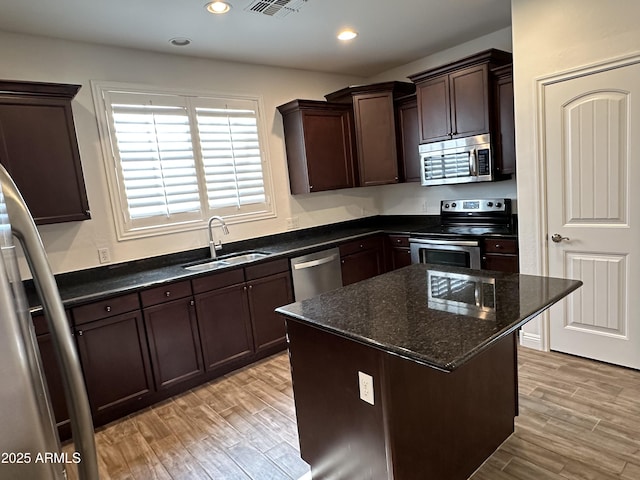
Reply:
x=365, y=382
x=104, y=255
x=293, y=223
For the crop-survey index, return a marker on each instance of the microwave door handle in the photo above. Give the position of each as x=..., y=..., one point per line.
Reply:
x=473, y=163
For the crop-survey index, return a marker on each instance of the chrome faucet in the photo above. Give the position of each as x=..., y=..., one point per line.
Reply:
x=213, y=246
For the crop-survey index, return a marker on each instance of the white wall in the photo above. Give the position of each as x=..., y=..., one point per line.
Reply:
x=552, y=36
x=73, y=246
x=411, y=198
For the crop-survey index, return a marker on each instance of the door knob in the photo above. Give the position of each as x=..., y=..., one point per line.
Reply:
x=557, y=238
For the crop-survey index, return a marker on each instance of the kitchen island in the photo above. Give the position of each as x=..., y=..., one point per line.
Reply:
x=411, y=374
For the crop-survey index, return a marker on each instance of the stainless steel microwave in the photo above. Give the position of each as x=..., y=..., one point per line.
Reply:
x=462, y=160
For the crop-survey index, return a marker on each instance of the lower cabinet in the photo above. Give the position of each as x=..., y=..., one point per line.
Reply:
x=225, y=326
x=53, y=377
x=399, y=252
x=361, y=259
x=500, y=255
x=139, y=348
x=115, y=360
x=172, y=332
x=265, y=295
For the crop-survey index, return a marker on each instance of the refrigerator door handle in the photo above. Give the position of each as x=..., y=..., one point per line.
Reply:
x=24, y=229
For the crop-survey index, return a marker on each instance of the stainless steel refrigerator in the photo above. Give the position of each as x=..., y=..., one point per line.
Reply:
x=29, y=445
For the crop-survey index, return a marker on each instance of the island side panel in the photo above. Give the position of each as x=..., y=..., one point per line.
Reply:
x=341, y=436
x=445, y=425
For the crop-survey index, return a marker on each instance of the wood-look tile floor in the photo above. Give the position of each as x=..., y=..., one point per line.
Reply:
x=579, y=420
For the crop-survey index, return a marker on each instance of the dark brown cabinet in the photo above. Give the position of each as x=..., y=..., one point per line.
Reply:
x=53, y=377
x=114, y=354
x=375, y=128
x=224, y=319
x=455, y=100
x=408, y=138
x=399, y=252
x=319, y=145
x=269, y=286
x=361, y=259
x=172, y=332
x=506, y=141
x=39, y=148
x=500, y=255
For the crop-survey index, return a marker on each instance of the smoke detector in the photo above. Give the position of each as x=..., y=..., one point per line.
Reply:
x=275, y=8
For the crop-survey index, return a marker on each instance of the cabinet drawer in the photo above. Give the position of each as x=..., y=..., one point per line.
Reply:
x=218, y=280
x=106, y=308
x=399, y=240
x=265, y=269
x=500, y=245
x=358, y=245
x=164, y=293
x=41, y=325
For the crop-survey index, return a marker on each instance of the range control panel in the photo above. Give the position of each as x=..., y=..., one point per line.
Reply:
x=477, y=205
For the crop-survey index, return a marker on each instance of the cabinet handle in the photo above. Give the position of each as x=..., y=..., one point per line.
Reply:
x=250, y=287
x=107, y=308
x=192, y=303
x=167, y=293
x=244, y=288
x=498, y=246
x=80, y=333
x=361, y=246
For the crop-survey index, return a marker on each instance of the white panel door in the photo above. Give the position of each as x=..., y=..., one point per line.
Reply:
x=592, y=148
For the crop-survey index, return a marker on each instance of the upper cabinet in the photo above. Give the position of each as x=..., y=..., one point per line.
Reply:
x=319, y=144
x=408, y=138
x=39, y=149
x=375, y=128
x=506, y=144
x=456, y=100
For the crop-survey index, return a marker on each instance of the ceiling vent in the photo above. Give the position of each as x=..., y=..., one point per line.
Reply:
x=275, y=8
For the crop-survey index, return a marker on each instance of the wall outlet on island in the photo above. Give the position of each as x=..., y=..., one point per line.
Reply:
x=104, y=255
x=365, y=383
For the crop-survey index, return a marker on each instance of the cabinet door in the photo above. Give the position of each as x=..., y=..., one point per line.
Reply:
x=115, y=361
x=54, y=385
x=376, y=140
x=501, y=263
x=328, y=149
x=408, y=138
x=506, y=141
x=225, y=326
x=433, y=101
x=265, y=295
x=365, y=262
x=174, y=342
x=38, y=147
x=469, y=101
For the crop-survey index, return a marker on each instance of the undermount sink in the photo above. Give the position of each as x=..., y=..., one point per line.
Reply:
x=226, y=261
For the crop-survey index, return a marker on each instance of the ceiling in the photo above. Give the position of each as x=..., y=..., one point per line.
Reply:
x=391, y=33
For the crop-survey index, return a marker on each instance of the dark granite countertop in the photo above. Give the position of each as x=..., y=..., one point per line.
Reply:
x=96, y=283
x=396, y=312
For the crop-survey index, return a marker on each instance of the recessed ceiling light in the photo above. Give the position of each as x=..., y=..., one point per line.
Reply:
x=218, y=7
x=347, y=34
x=180, y=41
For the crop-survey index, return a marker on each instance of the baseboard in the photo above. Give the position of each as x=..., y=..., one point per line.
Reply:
x=530, y=340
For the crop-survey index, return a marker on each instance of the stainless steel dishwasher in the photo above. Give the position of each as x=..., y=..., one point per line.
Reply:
x=316, y=273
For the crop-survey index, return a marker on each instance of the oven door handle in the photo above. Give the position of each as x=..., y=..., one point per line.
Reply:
x=453, y=243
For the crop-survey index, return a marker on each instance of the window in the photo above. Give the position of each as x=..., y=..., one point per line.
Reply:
x=173, y=160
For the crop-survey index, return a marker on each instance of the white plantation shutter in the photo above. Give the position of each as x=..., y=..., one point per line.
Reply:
x=156, y=158
x=231, y=157
x=181, y=158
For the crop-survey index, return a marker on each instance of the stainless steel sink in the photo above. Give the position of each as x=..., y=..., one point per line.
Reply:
x=226, y=261
x=244, y=257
